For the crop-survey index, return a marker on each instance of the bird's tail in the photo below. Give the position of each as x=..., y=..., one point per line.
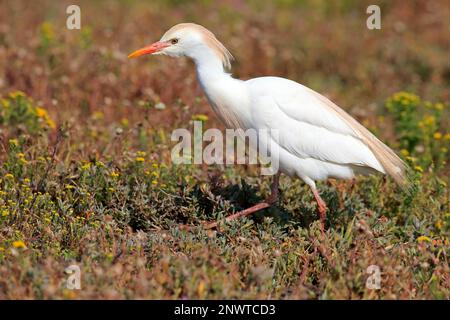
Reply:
x=391, y=162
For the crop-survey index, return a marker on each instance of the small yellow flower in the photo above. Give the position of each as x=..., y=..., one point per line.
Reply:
x=141, y=153
x=111, y=189
x=5, y=103
x=9, y=176
x=50, y=122
x=140, y=159
x=419, y=169
x=124, y=122
x=438, y=224
x=16, y=94
x=86, y=166
x=14, y=142
x=429, y=120
x=69, y=186
x=200, y=117
x=19, y=244
x=437, y=136
x=447, y=136
x=113, y=174
x=439, y=106
x=411, y=159
x=41, y=112
x=154, y=182
x=97, y=115
x=5, y=213
x=423, y=239
x=404, y=152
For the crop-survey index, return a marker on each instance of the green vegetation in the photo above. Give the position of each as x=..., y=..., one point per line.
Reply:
x=86, y=176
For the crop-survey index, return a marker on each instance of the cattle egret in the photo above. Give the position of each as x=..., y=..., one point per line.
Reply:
x=315, y=138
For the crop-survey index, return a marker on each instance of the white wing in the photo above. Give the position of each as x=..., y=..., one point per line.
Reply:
x=307, y=126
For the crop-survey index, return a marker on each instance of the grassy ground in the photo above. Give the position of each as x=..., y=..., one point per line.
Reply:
x=86, y=176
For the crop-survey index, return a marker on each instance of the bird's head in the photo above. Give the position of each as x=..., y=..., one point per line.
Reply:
x=188, y=39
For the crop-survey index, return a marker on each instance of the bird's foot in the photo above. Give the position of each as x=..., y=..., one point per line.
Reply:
x=271, y=200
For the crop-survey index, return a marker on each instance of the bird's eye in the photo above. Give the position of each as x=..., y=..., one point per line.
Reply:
x=174, y=41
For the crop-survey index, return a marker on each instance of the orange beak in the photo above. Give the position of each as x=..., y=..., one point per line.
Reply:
x=155, y=47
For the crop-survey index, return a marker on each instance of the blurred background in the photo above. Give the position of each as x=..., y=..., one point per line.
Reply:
x=322, y=44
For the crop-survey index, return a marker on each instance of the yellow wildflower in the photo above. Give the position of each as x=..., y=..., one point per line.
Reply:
x=41, y=112
x=419, y=169
x=5, y=103
x=439, y=106
x=14, y=142
x=447, y=136
x=86, y=166
x=113, y=174
x=5, y=213
x=404, y=152
x=140, y=159
x=429, y=120
x=437, y=136
x=200, y=117
x=9, y=176
x=50, y=123
x=154, y=182
x=124, y=122
x=16, y=94
x=423, y=239
x=97, y=115
x=141, y=153
x=19, y=244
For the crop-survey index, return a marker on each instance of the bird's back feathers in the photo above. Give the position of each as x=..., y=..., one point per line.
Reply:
x=341, y=139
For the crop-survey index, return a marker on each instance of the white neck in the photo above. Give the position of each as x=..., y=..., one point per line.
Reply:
x=227, y=96
x=209, y=66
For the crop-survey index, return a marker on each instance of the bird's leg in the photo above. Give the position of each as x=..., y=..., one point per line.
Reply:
x=321, y=207
x=257, y=207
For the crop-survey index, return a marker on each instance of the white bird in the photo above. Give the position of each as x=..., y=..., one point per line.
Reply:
x=315, y=138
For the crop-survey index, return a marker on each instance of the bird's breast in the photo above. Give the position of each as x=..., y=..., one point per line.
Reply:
x=230, y=103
